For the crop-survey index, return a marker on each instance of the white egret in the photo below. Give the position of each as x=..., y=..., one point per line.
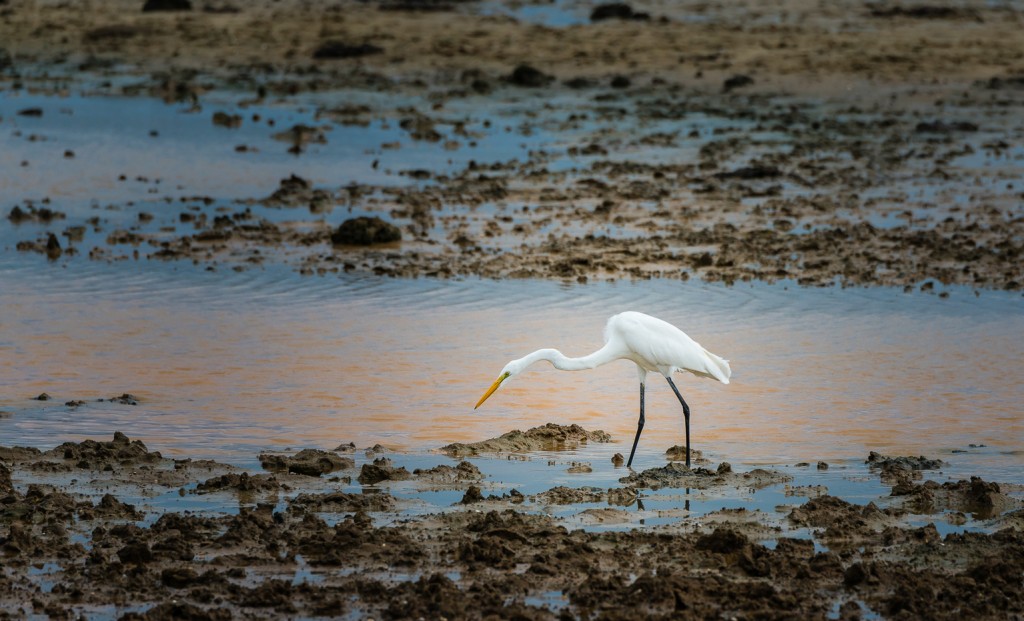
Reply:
x=653, y=344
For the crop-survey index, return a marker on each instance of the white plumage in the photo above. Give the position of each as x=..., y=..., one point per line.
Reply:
x=656, y=345
x=652, y=344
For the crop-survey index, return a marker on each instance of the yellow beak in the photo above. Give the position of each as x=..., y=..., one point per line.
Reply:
x=490, y=391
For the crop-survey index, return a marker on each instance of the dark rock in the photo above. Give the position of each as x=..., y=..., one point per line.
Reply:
x=616, y=10
x=166, y=5
x=529, y=77
x=331, y=50
x=34, y=111
x=736, y=81
x=620, y=81
x=42, y=397
x=365, y=231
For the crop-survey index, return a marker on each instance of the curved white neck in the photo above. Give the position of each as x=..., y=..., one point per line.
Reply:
x=564, y=363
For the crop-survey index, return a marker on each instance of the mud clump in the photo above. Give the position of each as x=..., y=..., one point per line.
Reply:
x=240, y=482
x=616, y=10
x=382, y=469
x=31, y=213
x=529, y=77
x=336, y=502
x=678, y=453
x=310, y=462
x=901, y=470
x=545, y=437
x=464, y=471
x=366, y=231
x=90, y=454
x=562, y=495
x=6, y=486
x=678, y=475
x=125, y=398
x=841, y=519
x=984, y=500
x=466, y=562
x=109, y=507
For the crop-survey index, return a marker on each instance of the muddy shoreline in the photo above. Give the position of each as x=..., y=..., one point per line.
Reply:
x=709, y=142
x=847, y=144
x=287, y=544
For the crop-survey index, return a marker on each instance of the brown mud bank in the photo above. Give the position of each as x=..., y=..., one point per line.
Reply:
x=818, y=144
x=288, y=544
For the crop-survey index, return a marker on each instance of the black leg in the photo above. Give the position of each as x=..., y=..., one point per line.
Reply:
x=639, y=426
x=686, y=415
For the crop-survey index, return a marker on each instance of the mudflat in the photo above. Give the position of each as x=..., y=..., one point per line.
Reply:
x=287, y=542
x=815, y=143
x=844, y=144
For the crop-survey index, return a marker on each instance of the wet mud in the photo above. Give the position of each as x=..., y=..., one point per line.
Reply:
x=739, y=148
x=288, y=549
x=547, y=437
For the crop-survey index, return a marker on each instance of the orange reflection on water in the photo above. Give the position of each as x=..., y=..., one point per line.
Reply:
x=217, y=376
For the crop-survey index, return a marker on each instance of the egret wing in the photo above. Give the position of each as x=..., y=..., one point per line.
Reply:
x=659, y=346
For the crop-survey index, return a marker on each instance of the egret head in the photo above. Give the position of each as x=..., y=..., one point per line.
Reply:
x=511, y=370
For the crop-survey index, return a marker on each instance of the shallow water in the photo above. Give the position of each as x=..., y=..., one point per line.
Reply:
x=225, y=364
